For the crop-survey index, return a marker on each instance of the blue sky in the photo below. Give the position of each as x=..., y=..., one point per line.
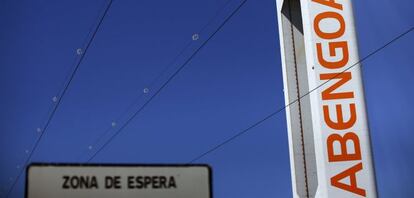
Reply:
x=234, y=81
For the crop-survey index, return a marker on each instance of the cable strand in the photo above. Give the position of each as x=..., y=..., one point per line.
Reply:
x=230, y=139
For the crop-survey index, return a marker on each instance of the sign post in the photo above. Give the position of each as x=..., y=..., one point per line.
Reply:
x=329, y=143
x=149, y=181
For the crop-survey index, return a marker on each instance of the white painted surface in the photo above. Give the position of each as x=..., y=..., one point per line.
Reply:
x=326, y=168
x=189, y=181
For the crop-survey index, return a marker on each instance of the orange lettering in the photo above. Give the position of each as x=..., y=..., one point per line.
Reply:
x=328, y=94
x=351, y=173
x=344, y=155
x=340, y=124
x=329, y=35
x=332, y=52
x=330, y=3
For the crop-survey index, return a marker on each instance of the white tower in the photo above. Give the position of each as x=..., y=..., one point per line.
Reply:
x=329, y=142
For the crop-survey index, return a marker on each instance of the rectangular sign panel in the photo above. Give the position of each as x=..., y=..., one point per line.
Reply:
x=147, y=181
x=329, y=141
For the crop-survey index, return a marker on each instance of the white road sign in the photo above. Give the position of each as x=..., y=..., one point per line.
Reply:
x=121, y=181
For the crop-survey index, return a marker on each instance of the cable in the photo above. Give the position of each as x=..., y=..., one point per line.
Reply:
x=167, y=82
x=228, y=140
x=59, y=99
x=156, y=79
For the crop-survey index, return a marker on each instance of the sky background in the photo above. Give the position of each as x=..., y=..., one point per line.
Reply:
x=233, y=82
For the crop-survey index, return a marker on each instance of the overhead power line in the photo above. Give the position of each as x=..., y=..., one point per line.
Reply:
x=237, y=135
x=58, y=99
x=148, y=89
x=106, y=143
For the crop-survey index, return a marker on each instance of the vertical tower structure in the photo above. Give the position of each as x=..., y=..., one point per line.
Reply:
x=329, y=143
